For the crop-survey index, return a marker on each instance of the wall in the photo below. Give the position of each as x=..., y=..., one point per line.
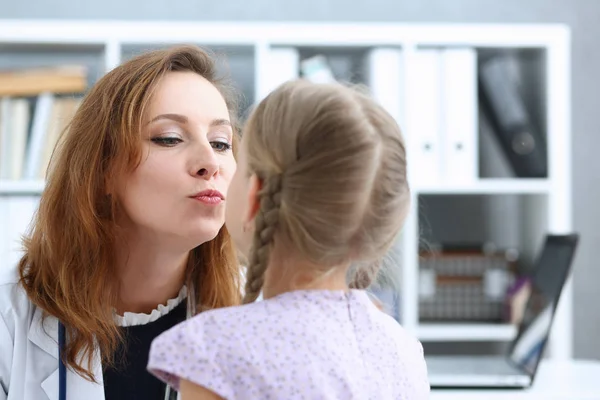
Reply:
x=581, y=15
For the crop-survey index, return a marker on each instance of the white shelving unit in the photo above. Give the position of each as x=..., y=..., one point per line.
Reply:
x=253, y=47
x=491, y=186
x=21, y=187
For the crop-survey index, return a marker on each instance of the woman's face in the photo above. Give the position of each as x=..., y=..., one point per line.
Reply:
x=178, y=192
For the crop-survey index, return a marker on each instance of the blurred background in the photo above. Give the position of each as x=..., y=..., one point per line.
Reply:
x=442, y=212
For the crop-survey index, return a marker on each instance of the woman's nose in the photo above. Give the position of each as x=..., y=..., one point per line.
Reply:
x=207, y=172
x=207, y=164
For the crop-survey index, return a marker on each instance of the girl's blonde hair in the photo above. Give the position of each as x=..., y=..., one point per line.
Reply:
x=332, y=164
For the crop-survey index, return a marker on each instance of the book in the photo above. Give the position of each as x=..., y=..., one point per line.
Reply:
x=39, y=130
x=34, y=81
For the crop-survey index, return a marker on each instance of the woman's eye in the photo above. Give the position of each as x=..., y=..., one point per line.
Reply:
x=167, y=141
x=221, y=146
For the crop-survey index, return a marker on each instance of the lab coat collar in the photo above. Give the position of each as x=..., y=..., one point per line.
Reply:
x=45, y=336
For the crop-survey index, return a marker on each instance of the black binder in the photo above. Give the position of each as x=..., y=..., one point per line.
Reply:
x=521, y=141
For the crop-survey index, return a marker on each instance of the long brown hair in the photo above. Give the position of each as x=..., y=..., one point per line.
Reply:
x=68, y=269
x=332, y=164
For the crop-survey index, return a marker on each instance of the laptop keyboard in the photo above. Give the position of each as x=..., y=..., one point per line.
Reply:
x=471, y=365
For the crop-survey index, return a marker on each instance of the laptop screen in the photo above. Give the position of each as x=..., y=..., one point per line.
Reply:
x=551, y=271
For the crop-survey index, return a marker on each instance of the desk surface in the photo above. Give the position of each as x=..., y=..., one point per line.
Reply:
x=567, y=380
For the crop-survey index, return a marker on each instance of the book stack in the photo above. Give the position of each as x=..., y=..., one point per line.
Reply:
x=35, y=107
x=465, y=285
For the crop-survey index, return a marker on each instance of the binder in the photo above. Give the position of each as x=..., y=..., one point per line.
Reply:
x=283, y=64
x=423, y=113
x=515, y=130
x=460, y=115
x=385, y=78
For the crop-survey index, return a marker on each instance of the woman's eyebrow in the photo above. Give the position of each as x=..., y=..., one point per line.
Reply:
x=182, y=119
x=220, y=122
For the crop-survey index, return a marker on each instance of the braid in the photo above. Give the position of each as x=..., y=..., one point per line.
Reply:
x=364, y=276
x=265, y=226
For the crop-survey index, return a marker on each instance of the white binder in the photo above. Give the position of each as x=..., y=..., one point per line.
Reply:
x=460, y=115
x=385, y=77
x=282, y=64
x=423, y=113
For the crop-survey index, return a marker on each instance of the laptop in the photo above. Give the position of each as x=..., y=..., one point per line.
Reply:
x=518, y=367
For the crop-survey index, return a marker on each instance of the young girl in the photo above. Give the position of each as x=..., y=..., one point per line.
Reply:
x=320, y=186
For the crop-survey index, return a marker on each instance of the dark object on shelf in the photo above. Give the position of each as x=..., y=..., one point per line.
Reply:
x=465, y=285
x=501, y=103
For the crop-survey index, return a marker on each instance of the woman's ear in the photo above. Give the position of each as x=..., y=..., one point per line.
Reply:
x=254, y=187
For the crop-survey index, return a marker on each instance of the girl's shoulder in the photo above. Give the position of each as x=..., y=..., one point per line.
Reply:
x=209, y=327
x=224, y=332
x=201, y=348
x=211, y=324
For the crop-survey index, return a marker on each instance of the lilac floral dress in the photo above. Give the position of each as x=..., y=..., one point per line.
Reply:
x=297, y=345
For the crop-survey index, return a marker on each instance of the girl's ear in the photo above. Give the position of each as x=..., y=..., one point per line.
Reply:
x=254, y=187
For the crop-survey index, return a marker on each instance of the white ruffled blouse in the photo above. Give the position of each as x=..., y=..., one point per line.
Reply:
x=132, y=319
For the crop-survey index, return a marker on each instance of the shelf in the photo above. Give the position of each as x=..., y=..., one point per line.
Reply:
x=466, y=332
x=488, y=186
x=21, y=187
x=490, y=35
x=495, y=206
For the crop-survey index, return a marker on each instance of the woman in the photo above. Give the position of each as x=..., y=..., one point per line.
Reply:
x=129, y=238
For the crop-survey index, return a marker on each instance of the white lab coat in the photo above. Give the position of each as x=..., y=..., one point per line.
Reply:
x=29, y=351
